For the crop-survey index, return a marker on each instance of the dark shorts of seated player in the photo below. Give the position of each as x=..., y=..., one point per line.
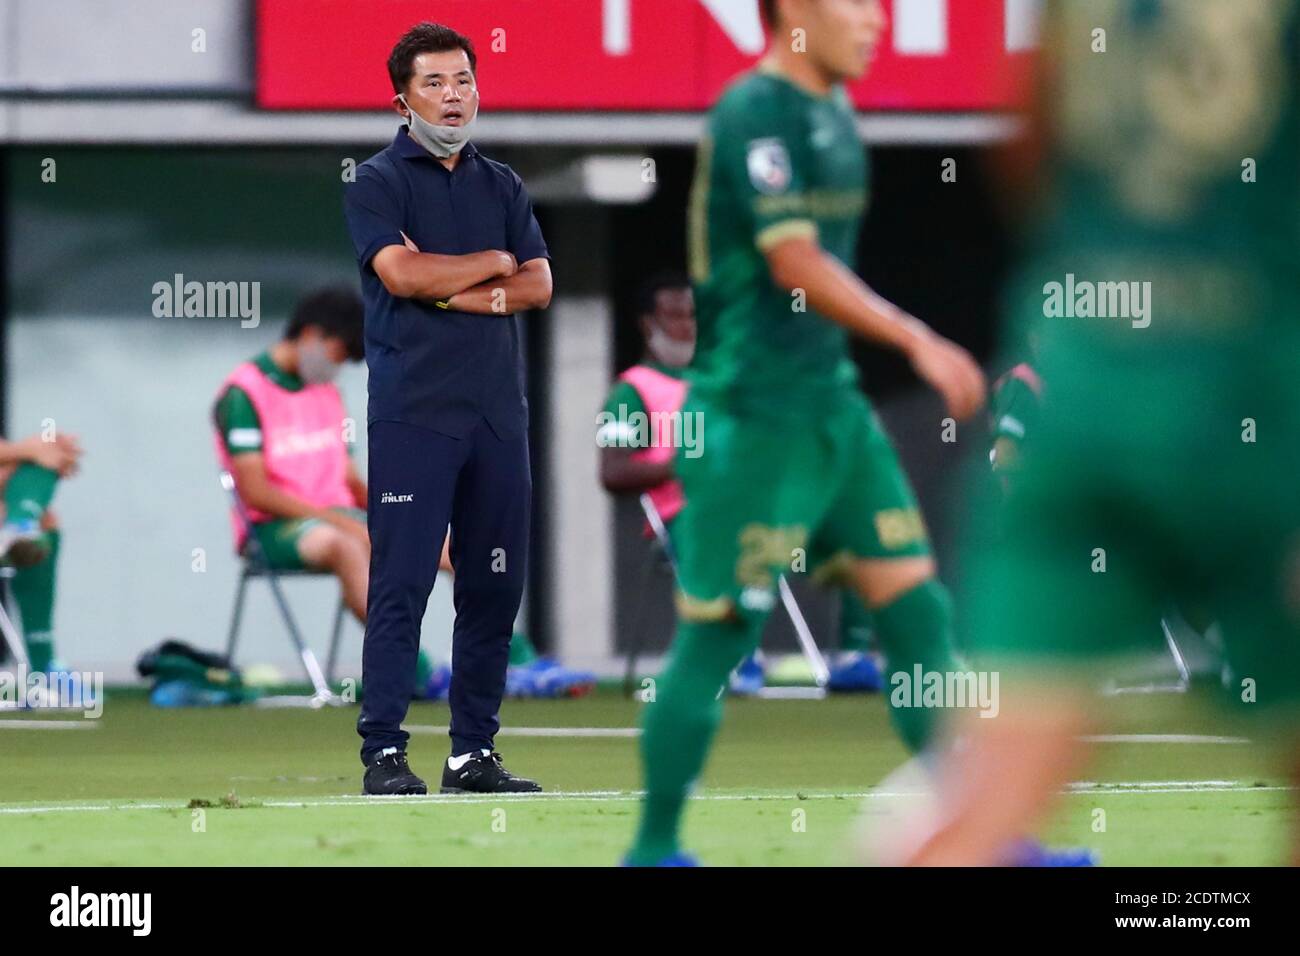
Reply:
x=279, y=538
x=1142, y=495
x=769, y=496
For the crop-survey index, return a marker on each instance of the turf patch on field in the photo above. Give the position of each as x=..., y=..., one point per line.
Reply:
x=785, y=786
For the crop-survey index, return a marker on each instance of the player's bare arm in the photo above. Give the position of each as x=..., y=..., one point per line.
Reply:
x=621, y=473
x=835, y=292
x=257, y=492
x=61, y=455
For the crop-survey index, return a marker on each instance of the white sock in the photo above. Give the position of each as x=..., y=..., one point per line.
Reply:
x=455, y=763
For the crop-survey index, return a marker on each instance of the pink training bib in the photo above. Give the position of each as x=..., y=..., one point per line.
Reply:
x=664, y=395
x=302, y=442
x=1026, y=374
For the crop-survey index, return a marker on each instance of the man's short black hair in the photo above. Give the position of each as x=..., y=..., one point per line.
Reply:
x=648, y=293
x=338, y=312
x=768, y=9
x=425, y=38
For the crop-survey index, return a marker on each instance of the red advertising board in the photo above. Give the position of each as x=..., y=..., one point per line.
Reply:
x=661, y=55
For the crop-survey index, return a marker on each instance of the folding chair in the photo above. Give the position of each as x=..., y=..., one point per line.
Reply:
x=817, y=662
x=1179, y=686
x=17, y=651
x=257, y=566
x=13, y=642
x=8, y=632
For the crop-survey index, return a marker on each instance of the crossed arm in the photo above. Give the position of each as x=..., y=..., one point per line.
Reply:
x=486, y=283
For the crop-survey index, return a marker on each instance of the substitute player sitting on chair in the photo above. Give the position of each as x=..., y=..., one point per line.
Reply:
x=280, y=432
x=280, y=425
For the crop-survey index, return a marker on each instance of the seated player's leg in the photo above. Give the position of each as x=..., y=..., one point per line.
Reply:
x=27, y=496
x=750, y=500
x=880, y=548
x=295, y=544
x=32, y=546
x=346, y=556
x=853, y=666
x=33, y=588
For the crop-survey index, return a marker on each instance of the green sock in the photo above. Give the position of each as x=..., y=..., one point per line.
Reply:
x=33, y=590
x=855, y=623
x=916, y=629
x=423, y=670
x=29, y=491
x=679, y=725
x=521, y=649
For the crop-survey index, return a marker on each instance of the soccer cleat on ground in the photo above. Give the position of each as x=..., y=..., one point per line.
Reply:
x=747, y=679
x=674, y=860
x=485, y=774
x=388, y=775
x=1033, y=853
x=855, y=672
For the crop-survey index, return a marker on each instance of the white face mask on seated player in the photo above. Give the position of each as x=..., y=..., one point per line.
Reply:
x=442, y=141
x=315, y=367
x=675, y=353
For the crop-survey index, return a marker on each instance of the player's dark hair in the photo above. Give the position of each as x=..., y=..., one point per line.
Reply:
x=337, y=311
x=425, y=38
x=648, y=292
x=768, y=9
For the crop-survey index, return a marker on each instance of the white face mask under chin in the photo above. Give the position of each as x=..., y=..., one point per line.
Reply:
x=670, y=351
x=443, y=142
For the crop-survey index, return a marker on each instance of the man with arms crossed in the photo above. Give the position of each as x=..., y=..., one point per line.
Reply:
x=449, y=251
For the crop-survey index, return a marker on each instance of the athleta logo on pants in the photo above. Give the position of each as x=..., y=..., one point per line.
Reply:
x=388, y=498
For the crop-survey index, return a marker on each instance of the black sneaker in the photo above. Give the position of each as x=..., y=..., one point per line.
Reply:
x=388, y=775
x=485, y=774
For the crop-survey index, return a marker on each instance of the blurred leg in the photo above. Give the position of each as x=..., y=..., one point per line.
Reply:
x=33, y=590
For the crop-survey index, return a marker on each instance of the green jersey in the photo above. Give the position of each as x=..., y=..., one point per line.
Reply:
x=776, y=161
x=1173, y=190
x=1015, y=404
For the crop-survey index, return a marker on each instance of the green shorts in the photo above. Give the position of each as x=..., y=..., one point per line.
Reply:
x=767, y=497
x=279, y=538
x=1144, y=492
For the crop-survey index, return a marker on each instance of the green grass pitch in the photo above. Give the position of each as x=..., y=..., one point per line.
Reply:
x=282, y=788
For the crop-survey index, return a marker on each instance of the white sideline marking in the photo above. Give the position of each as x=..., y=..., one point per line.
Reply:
x=541, y=731
x=626, y=796
x=49, y=725
x=1161, y=739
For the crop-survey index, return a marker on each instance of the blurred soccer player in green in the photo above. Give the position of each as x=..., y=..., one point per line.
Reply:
x=1014, y=406
x=795, y=465
x=1163, y=288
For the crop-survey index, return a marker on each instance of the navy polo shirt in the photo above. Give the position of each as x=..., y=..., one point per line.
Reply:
x=436, y=368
